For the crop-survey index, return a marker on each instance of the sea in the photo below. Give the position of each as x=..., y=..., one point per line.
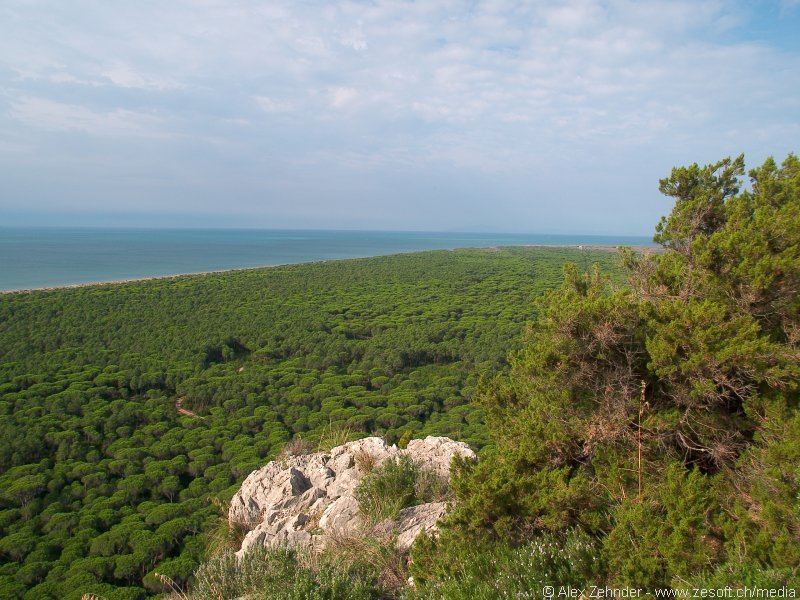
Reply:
x=32, y=258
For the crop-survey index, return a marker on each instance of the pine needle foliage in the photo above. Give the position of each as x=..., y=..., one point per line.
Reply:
x=659, y=417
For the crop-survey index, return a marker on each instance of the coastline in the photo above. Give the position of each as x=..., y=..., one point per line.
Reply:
x=67, y=286
x=640, y=249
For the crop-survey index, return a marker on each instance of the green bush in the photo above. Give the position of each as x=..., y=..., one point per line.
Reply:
x=496, y=570
x=280, y=575
x=661, y=417
x=665, y=535
x=388, y=489
x=397, y=484
x=740, y=574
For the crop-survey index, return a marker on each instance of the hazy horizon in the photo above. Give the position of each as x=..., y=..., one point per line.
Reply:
x=200, y=227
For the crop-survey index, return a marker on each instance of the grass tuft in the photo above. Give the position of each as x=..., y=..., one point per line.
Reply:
x=397, y=484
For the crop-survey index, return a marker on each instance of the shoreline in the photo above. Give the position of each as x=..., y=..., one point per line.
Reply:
x=69, y=286
x=640, y=249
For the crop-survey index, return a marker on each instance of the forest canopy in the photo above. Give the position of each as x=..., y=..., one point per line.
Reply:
x=125, y=408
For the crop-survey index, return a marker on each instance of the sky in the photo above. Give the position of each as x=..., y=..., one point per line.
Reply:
x=439, y=115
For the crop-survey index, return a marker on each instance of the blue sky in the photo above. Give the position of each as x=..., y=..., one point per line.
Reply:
x=552, y=117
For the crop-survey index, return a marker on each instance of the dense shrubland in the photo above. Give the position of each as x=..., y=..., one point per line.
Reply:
x=659, y=418
x=103, y=483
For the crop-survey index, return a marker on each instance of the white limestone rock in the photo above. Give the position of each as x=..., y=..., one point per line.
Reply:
x=297, y=501
x=417, y=519
x=436, y=453
x=341, y=515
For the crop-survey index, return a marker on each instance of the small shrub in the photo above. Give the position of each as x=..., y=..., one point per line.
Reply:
x=223, y=535
x=431, y=487
x=297, y=446
x=264, y=574
x=365, y=462
x=334, y=435
x=394, y=485
x=388, y=489
x=487, y=571
x=378, y=556
x=739, y=575
x=402, y=443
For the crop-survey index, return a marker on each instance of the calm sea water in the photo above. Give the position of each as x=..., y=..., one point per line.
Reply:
x=45, y=257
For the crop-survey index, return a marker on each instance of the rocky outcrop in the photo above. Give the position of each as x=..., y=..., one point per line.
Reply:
x=414, y=520
x=301, y=501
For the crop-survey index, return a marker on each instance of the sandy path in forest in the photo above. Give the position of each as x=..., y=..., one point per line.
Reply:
x=185, y=411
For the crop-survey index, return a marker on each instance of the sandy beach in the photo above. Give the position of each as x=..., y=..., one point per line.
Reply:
x=640, y=249
x=131, y=280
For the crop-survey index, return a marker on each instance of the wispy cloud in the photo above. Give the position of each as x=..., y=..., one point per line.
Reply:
x=41, y=113
x=124, y=76
x=342, y=96
x=527, y=95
